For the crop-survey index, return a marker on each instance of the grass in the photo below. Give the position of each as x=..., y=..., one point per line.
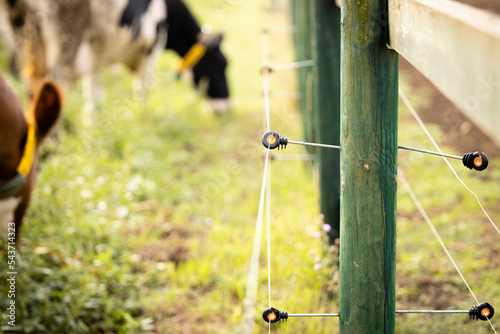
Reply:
x=144, y=221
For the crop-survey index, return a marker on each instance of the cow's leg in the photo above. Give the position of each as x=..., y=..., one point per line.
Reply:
x=91, y=89
x=145, y=74
x=144, y=78
x=92, y=95
x=141, y=84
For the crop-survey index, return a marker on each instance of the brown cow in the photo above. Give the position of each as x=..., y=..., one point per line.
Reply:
x=20, y=136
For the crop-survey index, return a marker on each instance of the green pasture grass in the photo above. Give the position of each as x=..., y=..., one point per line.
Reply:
x=426, y=277
x=143, y=221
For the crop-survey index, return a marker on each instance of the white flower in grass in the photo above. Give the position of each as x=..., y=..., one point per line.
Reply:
x=47, y=190
x=122, y=212
x=102, y=205
x=86, y=193
x=116, y=224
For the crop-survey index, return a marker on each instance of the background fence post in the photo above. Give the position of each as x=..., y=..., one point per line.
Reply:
x=368, y=160
x=301, y=20
x=326, y=106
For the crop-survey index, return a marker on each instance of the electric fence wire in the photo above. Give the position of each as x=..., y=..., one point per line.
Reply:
x=253, y=272
x=424, y=128
x=265, y=77
x=293, y=65
x=268, y=234
x=265, y=199
x=410, y=192
x=265, y=59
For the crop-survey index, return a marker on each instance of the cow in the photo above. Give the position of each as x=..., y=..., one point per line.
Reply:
x=20, y=137
x=72, y=39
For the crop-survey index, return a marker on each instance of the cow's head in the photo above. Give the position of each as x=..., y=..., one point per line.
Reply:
x=209, y=72
x=185, y=37
x=20, y=136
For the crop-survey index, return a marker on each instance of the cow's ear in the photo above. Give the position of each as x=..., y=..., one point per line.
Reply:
x=216, y=41
x=46, y=107
x=210, y=41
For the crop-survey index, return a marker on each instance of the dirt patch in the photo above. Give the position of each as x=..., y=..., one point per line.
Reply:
x=171, y=247
x=490, y=243
x=185, y=322
x=429, y=291
x=183, y=318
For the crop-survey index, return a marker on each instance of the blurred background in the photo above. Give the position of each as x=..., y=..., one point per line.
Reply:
x=143, y=220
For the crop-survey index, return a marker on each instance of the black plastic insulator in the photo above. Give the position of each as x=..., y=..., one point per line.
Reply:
x=476, y=160
x=273, y=315
x=273, y=140
x=483, y=312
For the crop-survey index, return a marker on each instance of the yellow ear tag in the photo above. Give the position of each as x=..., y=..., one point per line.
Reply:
x=24, y=166
x=192, y=57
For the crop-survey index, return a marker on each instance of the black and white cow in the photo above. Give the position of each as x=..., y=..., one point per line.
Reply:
x=72, y=39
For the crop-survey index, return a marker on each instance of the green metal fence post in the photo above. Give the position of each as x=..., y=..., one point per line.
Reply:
x=368, y=160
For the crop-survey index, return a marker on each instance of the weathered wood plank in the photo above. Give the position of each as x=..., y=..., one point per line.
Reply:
x=457, y=47
x=368, y=164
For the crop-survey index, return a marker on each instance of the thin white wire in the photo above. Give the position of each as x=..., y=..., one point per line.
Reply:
x=293, y=66
x=265, y=76
x=266, y=181
x=253, y=273
x=268, y=236
x=428, y=221
x=436, y=234
x=268, y=225
x=424, y=128
x=492, y=326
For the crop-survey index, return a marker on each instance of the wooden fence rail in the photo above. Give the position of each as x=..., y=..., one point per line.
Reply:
x=457, y=47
